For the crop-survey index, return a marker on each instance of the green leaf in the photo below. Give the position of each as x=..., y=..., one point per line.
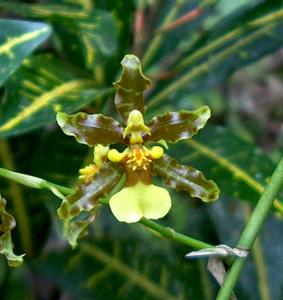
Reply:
x=17, y=40
x=240, y=168
x=80, y=209
x=175, y=126
x=41, y=88
x=185, y=178
x=218, y=55
x=85, y=36
x=90, y=41
x=130, y=87
x=7, y=223
x=91, y=129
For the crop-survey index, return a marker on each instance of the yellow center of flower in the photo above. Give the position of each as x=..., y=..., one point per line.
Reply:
x=137, y=157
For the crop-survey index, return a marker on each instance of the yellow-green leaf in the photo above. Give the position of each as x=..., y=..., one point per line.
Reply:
x=17, y=40
x=41, y=88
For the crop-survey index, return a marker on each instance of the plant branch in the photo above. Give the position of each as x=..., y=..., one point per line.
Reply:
x=34, y=182
x=38, y=183
x=252, y=229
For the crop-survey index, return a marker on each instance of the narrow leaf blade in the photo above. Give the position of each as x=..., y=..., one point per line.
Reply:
x=241, y=169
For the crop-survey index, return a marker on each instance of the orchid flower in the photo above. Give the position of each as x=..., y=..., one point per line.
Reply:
x=142, y=157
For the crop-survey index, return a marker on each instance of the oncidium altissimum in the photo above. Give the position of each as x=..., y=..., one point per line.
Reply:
x=142, y=158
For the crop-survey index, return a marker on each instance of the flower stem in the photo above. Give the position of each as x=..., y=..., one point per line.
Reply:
x=34, y=182
x=252, y=229
x=168, y=232
x=38, y=183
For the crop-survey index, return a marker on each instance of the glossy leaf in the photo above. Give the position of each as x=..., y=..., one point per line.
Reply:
x=240, y=169
x=83, y=36
x=17, y=40
x=79, y=210
x=91, y=129
x=215, y=56
x=186, y=178
x=39, y=89
x=175, y=126
x=7, y=223
x=130, y=87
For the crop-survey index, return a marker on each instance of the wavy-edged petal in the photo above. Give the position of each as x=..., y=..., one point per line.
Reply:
x=141, y=200
x=80, y=209
x=175, y=126
x=130, y=87
x=91, y=129
x=186, y=178
x=7, y=223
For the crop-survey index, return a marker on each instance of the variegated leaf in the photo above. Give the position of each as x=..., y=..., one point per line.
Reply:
x=87, y=37
x=130, y=87
x=91, y=129
x=186, y=178
x=43, y=86
x=80, y=209
x=7, y=223
x=240, y=168
x=17, y=40
x=175, y=126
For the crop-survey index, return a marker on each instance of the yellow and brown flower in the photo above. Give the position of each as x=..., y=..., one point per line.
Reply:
x=139, y=160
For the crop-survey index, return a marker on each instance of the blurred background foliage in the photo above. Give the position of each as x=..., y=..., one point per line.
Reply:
x=221, y=53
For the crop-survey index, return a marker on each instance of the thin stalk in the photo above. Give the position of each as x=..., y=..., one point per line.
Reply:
x=258, y=258
x=252, y=229
x=168, y=232
x=17, y=200
x=34, y=182
x=39, y=183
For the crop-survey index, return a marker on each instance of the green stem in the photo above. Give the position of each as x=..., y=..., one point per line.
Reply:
x=258, y=257
x=168, y=232
x=252, y=229
x=38, y=183
x=34, y=182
